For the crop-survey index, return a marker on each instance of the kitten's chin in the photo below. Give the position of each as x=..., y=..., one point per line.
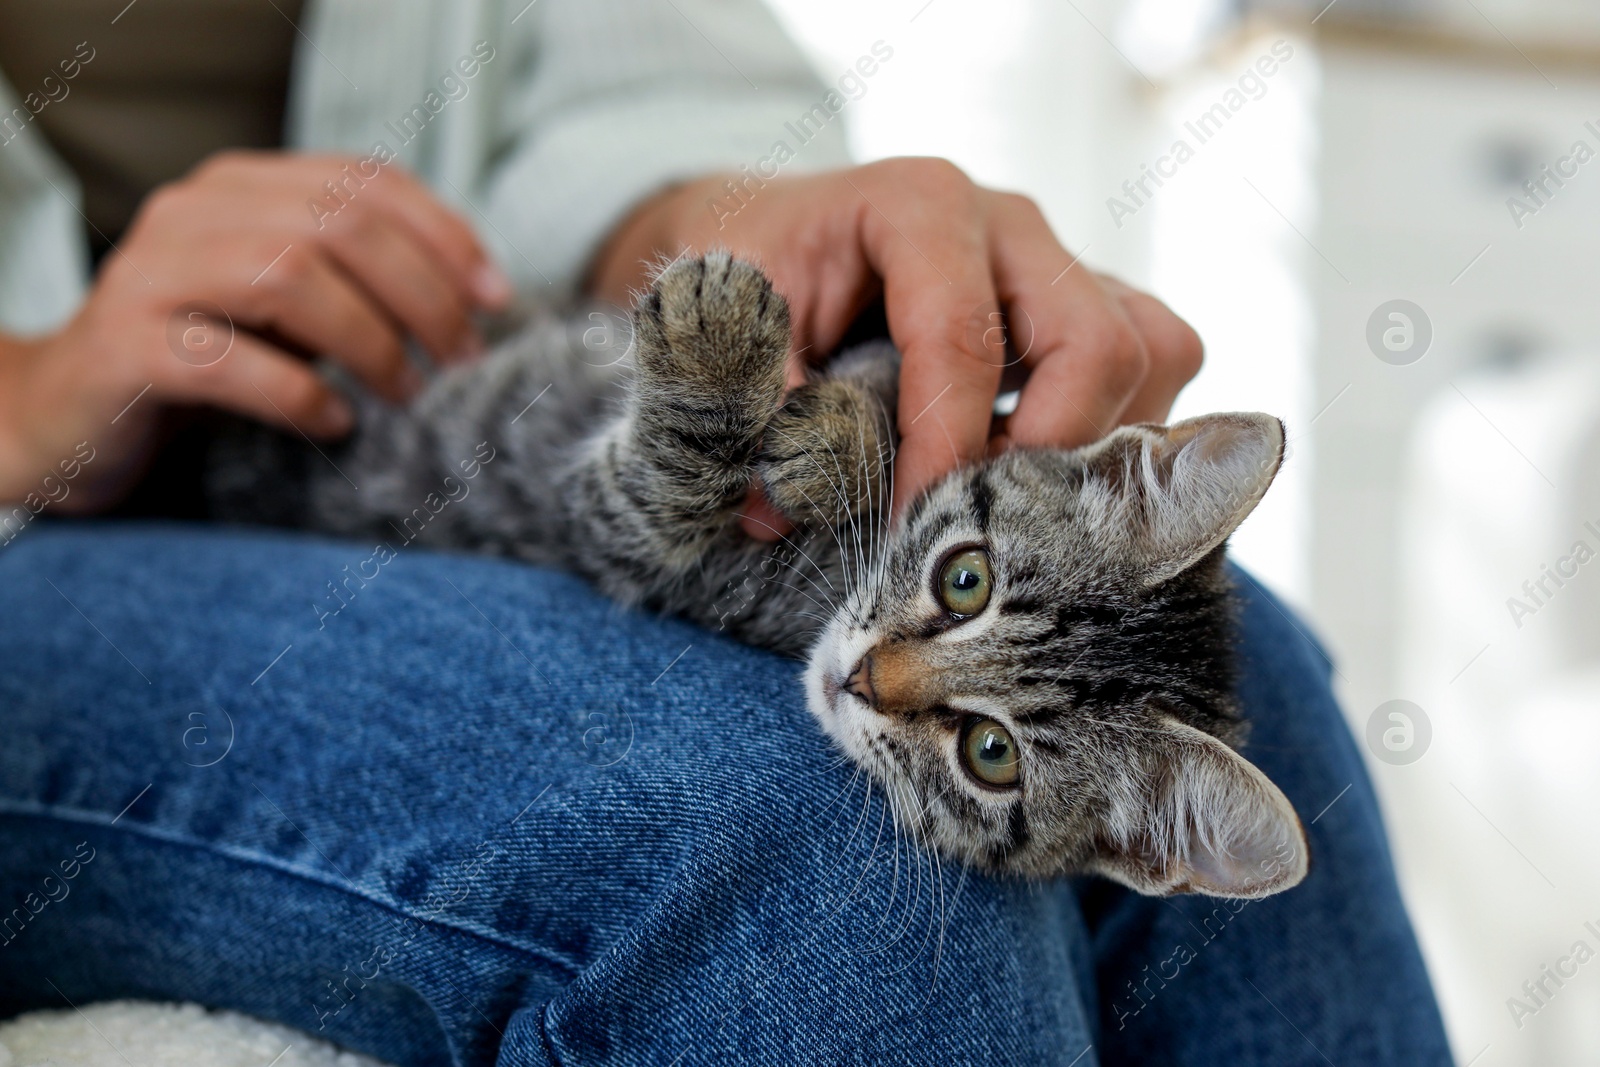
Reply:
x=823, y=682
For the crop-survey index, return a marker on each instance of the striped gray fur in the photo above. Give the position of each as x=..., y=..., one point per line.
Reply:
x=1105, y=649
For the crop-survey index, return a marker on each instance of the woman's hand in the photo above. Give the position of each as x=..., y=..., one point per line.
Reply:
x=947, y=256
x=292, y=270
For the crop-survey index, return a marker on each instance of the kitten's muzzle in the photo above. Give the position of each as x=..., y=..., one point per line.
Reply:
x=894, y=679
x=859, y=684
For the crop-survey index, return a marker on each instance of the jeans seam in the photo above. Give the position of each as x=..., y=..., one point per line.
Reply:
x=265, y=860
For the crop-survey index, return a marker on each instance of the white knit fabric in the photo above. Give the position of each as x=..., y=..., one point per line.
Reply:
x=585, y=108
x=122, y=1032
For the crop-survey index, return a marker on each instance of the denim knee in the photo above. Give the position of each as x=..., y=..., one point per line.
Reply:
x=609, y=833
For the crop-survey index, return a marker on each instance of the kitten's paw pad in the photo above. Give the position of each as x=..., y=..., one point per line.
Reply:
x=825, y=453
x=714, y=324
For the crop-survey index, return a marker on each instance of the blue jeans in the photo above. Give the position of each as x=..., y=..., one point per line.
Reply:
x=478, y=813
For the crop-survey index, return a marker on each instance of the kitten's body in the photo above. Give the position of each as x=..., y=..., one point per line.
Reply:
x=642, y=508
x=1102, y=649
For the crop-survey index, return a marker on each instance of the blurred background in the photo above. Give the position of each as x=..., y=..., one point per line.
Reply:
x=1381, y=216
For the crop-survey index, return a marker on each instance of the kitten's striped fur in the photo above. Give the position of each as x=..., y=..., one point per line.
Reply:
x=1105, y=649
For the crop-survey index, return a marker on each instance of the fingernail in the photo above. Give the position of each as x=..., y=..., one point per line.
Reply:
x=336, y=418
x=491, y=286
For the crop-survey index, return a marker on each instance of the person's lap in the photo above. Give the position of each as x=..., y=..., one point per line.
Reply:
x=480, y=810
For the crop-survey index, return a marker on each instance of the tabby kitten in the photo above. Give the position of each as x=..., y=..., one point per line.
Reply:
x=1034, y=660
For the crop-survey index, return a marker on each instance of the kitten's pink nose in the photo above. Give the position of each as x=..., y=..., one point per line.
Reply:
x=860, y=682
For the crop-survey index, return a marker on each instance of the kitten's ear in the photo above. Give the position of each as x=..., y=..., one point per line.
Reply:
x=1185, y=487
x=1202, y=819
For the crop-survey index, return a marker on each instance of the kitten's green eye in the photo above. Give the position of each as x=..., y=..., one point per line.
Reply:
x=964, y=582
x=990, y=754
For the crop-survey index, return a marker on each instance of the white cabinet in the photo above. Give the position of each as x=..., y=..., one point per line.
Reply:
x=1439, y=487
x=1419, y=156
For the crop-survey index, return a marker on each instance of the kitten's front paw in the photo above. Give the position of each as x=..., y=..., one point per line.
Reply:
x=713, y=332
x=825, y=453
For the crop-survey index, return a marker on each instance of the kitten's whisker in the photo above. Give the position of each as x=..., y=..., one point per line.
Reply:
x=785, y=539
x=913, y=895
x=929, y=805
x=876, y=474
x=916, y=852
x=886, y=503
x=840, y=795
x=892, y=808
x=854, y=893
x=837, y=761
x=829, y=606
x=935, y=909
x=871, y=491
x=891, y=791
x=935, y=872
x=804, y=615
x=866, y=805
x=836, y=487
x=944, y=920
x=913, y=905
x=848, y=512
x=856, y=567
x=850, y=843
x=848, y=507
x=830, y=595
x=843, y=792
x=916, y=847
x=894, y=884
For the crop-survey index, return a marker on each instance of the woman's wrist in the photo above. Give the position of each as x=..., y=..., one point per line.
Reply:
x=16, y=457
x=47, y=435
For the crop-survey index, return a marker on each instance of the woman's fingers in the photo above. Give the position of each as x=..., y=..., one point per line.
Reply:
x=444, y=232
x=307, y=300
x=339, y=187
x=950, y=256
x=959, y=268
x=412, y=288
x=230, y=251
x=922, y=232
x=257, y=380
x=390, y=262
x=1087, y=357
x=1176, y=352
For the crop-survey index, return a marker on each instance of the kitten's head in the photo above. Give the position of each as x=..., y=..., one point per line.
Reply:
x=1039, y=668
